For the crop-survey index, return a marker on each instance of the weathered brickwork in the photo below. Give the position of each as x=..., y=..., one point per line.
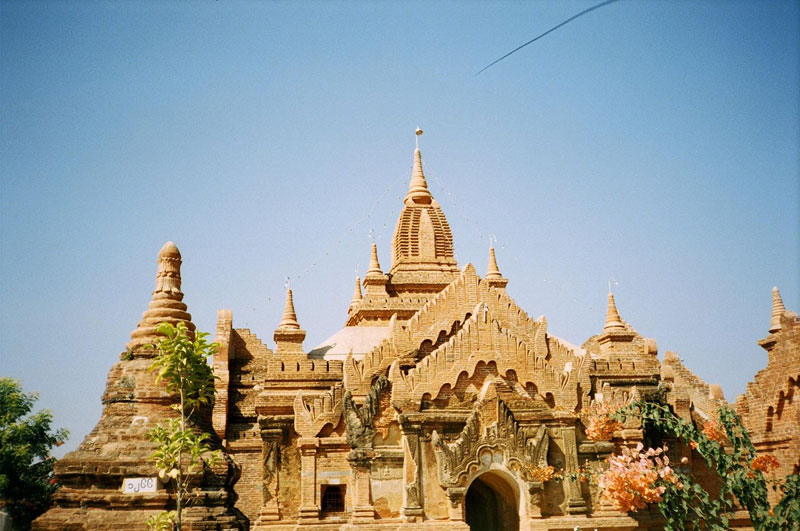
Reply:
x=423, y=412
x=770, y=407
x=118, y=447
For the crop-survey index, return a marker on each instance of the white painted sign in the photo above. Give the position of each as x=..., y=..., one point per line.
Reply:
x=137, y=485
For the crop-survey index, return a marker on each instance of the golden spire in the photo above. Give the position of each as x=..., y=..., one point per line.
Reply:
x=374, y=265
x=493, y=272
x=613, y=320
x=289, y=319
x=778, y=309
x=418, y=188
x=166, y=304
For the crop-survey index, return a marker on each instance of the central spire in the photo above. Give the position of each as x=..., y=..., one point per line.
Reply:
x=418, y=192
x=422, y=246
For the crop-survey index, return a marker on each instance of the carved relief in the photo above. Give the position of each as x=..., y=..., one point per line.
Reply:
x=270, y=457
x=477, y=447
x=358, y=420
x=313, y=413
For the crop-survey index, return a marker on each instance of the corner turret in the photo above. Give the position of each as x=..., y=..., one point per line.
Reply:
x=289, y=336
x=493, y=276
x=375, y=281
x=778, y=309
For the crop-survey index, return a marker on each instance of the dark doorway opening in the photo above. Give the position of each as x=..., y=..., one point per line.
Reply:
x=491, y=504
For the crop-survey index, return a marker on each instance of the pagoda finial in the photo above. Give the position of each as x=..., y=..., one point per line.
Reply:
x=613, y=320
x=418, y=188
x=289, y=319
x=374, y=265
x=493, y=272
x=778, y=309
x=357, y=296
x=166, y=304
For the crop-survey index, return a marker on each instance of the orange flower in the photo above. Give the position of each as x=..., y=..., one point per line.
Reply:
x=693, y=445
x=632, y=479
x=765, y=463
x=599, y=424
x=541, y=474
x=714, y=432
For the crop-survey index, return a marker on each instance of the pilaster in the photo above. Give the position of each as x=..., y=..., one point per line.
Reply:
x=360, y=462
x=309, y=502
x=271, y=438
x=575, y=502
x=412, y=471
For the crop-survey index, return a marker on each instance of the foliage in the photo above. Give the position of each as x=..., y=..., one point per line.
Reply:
x=686, y=504
x=182, y=452
x=182, y=362
x=162, y=521
x=26, y=467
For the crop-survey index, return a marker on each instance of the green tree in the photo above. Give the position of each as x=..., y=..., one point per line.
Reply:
x=26, y=467
x=182, y=451
x=726, y=448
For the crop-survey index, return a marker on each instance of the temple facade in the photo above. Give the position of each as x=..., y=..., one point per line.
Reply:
x=429, y=409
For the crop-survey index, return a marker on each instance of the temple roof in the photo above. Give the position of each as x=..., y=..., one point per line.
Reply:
x=422, y=239
x=358, y=339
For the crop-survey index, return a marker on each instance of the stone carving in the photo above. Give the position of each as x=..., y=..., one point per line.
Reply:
x=270, y=457
x=358, y=420
x=311, y=415
x=506, y=442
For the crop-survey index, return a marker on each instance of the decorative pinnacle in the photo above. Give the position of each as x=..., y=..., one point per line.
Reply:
x=166, y=304
x=778, y=309
x=289, y=319
x=357, y=296
x=374, y=265
x=613, y=320
x=493, y=272
x=418, y=188
x=168, y=278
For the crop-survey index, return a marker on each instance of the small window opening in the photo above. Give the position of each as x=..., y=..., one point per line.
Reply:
x=332, y=499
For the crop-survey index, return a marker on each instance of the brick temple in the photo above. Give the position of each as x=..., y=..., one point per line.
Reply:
x=423, y=412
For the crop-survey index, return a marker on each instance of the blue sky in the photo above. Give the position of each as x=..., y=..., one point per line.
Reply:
x=656, y=143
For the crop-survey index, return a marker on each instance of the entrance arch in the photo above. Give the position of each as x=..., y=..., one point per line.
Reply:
x=492, y=503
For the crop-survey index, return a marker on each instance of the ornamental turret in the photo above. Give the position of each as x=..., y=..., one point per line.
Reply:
x=493, y=276
x=289, y=336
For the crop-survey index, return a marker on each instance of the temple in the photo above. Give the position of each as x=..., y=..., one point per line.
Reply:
x=428, y=409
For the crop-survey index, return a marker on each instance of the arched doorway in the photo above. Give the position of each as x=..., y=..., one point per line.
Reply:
x=491, y=504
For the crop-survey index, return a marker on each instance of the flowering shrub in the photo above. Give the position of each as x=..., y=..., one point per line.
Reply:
x=637, y=477
x=599, y=422
x=686, y=504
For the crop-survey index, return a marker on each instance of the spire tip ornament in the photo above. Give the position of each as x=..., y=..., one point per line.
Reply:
x=613, y=320
x=778, y=309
